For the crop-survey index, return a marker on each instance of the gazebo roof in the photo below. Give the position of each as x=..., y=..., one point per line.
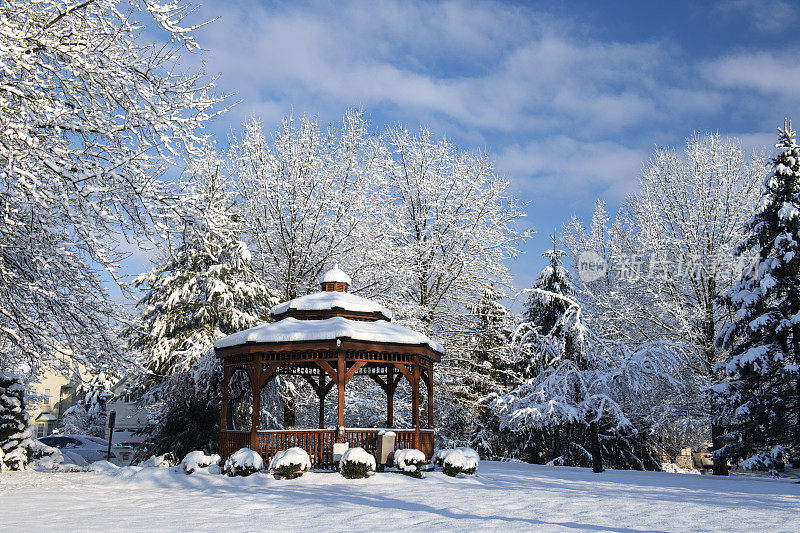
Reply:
x=334, y=328
x=330, y=300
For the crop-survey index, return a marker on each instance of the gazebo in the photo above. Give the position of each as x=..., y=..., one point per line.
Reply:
x=327, y=338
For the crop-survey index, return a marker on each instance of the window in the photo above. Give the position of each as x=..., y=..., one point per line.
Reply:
x=46, y=399
x=40, y=431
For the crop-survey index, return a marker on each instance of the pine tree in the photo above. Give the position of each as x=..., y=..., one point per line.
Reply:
x=16, y=447
x=488, y=369
x=205, y=290
x=88, y=416
x=543, y=312
x=763, y=393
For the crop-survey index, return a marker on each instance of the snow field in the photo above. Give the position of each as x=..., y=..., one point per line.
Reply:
x=503, y=496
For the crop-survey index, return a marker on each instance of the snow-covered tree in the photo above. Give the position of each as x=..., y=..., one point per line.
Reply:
x=763, y=393
x=16, y=446
x=452, y=227
x=88, y=416
x=588, y=391
x=486, y=367
x=205, y=289
x=541, y=310
x=309, y=201
x=90, y=114
x=673, y=256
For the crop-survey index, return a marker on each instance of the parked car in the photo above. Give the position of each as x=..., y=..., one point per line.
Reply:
x=141, y=451
x=90, y=448
x=704, y=459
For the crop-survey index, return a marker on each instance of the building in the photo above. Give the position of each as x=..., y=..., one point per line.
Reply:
x=49, y=398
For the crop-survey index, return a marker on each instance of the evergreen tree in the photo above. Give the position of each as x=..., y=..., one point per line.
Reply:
x=16, y=447
x=543, y=311
x=488, y=369
x=763, y=393
x=88, y=416
x=206, y=289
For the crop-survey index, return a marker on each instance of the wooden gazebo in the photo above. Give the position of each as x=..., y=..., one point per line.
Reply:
x=327, y=338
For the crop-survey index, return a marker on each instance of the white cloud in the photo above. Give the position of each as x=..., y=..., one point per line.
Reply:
x=564, y=167
x=762, y=71
x=482, y=65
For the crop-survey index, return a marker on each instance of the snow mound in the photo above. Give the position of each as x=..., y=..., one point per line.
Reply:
x=470, y=453
x=288, y=458
x=104, y=467
x=409, y=460
x=161, y=461
x=672, y=468
x=358, y=455
x=198, y=461
x=243, y=463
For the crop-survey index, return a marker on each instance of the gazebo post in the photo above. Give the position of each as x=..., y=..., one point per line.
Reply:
x=321, y=395
x=225, y=407
x=340, y=375
x=390, y=397
x=255, y=384
x=429, y=374
x=415, y=402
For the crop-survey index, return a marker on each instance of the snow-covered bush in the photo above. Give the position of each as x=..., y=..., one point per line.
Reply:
x=456, y=461
x=197, y=460
x=290, y=463
x=15, y=435
x=46, y=457
x=168, y=460
x=243, y=463
x=356, y=463
x=410, y=462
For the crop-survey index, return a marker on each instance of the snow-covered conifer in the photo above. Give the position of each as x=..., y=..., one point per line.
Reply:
x=16, y=446
x=486, y=368
x=587, y=390
x=763, y=391
x=88, y=416
x=542, y=311
x=205, y=289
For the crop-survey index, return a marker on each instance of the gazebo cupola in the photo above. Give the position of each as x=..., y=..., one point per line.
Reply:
x=335, y=280
x=327, y=338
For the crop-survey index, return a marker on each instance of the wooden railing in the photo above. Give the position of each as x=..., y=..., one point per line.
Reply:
x=230, y=441
x=319, y=442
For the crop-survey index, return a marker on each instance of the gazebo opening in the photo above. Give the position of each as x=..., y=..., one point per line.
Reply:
x=327, y=338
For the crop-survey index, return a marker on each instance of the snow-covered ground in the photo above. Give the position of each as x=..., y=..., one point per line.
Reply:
x=501, y=496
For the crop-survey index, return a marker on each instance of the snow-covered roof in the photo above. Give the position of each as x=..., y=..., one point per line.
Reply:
x=293, y=330
x=336, y=275
x=327, y=300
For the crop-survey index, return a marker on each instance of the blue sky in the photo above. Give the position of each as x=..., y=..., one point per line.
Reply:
x=569, y=98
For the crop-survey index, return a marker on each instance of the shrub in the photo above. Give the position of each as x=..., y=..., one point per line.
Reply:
x=167, y=460
x=184, y=428
x=356, y=463
x=198, y=460
x=291, y=463
x=458, y=461
x=410, y=462
x=243, y=463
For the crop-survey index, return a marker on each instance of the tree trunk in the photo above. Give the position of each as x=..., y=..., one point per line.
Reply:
x=720, y=461
x=597, y=452
x=289, y=416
